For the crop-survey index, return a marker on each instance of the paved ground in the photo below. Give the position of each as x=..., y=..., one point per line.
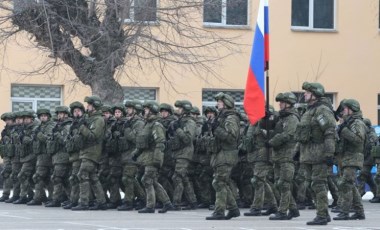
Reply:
x=26, y=217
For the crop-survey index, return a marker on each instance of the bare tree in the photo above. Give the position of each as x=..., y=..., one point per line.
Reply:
x=99, y=38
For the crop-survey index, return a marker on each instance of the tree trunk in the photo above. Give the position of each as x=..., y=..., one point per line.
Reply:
x=107, y=88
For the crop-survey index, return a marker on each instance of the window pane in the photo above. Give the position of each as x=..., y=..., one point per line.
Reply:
x=212, y=11
x=36, y=91
x=140, y=94
x=145, y=10
x=51, y=105
x=237, y=12
x=21, y=106
x=300, y=12
x=324, y=14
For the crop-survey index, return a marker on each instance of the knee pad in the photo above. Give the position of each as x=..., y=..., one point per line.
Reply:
x=56, y=180
x=318, y=186
x=218, y=184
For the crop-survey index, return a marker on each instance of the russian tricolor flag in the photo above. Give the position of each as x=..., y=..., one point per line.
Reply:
x=254, y=95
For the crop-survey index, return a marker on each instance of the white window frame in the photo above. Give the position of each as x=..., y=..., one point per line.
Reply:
x=311, y=20
x=131, y=20
x=34, y=100
x=224, y=24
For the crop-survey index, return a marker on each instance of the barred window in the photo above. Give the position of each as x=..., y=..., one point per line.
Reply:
x=26, y=97
x=208, y=98
x=142, y=94
x=313, y=14
x=225, y=12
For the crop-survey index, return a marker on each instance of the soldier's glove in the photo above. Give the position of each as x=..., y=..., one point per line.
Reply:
x=41, y=136
x=329, y=161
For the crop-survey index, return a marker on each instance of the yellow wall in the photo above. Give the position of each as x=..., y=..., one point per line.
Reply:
x=347, y=60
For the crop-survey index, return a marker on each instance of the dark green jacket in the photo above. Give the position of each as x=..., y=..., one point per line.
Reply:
x=371, y=140
x=93, y=134
x=6, y=146
x=134, y=127
x=61, y=132
x=16, y=140
x=185, y=136
x=28, y=136
x=45, y=131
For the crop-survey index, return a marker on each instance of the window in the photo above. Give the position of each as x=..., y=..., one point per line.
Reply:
x=225, y=12
x=141, y=11
x=26, y=97
x=301, y=99
x=142, y=94
x=208, y=98
x=378, y=109
x=313, y=14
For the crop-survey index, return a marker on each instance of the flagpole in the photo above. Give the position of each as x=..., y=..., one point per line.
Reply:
x=267, y=84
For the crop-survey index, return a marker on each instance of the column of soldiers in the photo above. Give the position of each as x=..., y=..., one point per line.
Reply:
x=176, y=160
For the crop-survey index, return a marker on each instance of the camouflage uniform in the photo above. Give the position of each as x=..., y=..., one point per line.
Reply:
x=92, y=132
x=352, y=134
x=316, y=134
x=223, y=147
x=7, y=151
x=44, y=165
x=284, y=149
x=181, y=143
x=150, y=144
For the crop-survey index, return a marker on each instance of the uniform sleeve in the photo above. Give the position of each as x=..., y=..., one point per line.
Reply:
x=95, y=132
x=327, y=124
x=355, y=133
x=158, y=133
x=187, y=133
x=289, y=129
x=62, y=136
x=131, y=133
x=229, y=131
x=48, y=132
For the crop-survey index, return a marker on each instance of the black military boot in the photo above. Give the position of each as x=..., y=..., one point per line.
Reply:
x=53, y=204
x=21, y=200
x=336, y=209
x=211, y=207
x=147, y=210
x=12, y=199
x=166, y=207
x=192, y=206
x=70, y=205
x=375, y=200
x=232, y=213
x=34, y=202
x=80, y=207
x=112, y=205
x=279, y=216
x=357, y=216
x=301, y=206
x=98, y=206
x=4, y=198
x=216, y=216
x=127, y=206
x=269, y=211
x=293, y=213
x=318, y=221
x=342, y=216
x=66, y=202
x=177, y=208
x=253, y=212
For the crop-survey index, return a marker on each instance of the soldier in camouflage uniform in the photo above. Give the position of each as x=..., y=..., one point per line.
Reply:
x=375, y=152
x=316, y=134
x=73, y=144
x=131, y=127
x=284, y=149
x=92, y=132
x=115, y=146
x=44, y=165
x=182, y=135
x=104, y=167
x=365, y=176
x=167, y=170
x=150, y=144
x=60, y=156
x=27, y=157
x=223, y=148
x=15, y=159
x=259, y=155
x=352, y=135
x=7, y=151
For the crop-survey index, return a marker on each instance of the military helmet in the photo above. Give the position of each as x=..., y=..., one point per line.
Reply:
x=185, y=104
x=106, y=108
x=287, y=97
x=119, y=106
x=62, y=109
x=28, y=113
x=167, y=107
x=76, y=104
x=138, y=106
x=228, y=101
x=315, y=88
x=211, y=109
x=18, y=114
x=367, y=122
x=351, y=104
x=195, y=110
x=43, y=111
x=7, y=116
x=152, y=105
x=94, y=100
